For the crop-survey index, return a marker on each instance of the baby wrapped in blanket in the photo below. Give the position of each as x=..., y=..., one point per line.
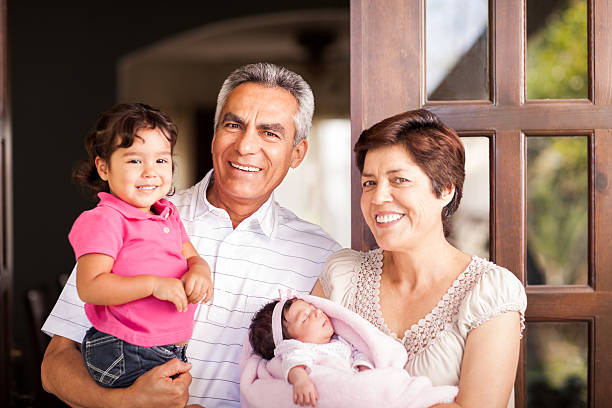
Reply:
x=310, y=351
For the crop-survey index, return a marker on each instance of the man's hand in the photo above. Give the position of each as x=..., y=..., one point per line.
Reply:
x=198, y=283
x=304, y=390
x=172, y=290
x=164, y=386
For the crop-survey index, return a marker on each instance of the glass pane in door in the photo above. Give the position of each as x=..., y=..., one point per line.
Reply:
x=557, y=210
x=457, y=50
x=557, y=49
x=557, y=364
x=470, y=224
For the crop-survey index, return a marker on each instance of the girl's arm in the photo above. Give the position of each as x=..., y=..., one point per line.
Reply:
x=197, y=280
x=489, y=363
x=98, y=286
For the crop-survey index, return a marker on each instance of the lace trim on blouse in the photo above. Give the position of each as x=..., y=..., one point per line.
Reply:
x=511, y=307
x=423, y=333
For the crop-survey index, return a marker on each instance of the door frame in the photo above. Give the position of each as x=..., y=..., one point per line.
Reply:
x=387, y=77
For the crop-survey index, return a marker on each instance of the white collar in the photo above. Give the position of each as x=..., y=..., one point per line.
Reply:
x=266, y=215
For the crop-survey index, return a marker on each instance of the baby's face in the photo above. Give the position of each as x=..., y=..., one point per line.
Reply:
x=308, y=324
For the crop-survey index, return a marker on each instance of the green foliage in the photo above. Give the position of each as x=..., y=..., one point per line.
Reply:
x=557, y=167
x=557, y=55
x=557, y=206
x=557, y=202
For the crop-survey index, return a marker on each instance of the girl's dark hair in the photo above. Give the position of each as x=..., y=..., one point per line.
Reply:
x=434, y=146
x=117, y=128
x=260, y=331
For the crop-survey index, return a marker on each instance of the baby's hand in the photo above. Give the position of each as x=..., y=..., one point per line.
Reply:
x=170, y=289
x=198, y=283
x=304, y=390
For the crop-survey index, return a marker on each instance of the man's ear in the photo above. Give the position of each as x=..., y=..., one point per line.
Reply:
x=102, y=167
x=298, y=153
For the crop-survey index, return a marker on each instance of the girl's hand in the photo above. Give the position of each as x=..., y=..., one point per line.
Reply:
x=198, y=283
x=170, y=289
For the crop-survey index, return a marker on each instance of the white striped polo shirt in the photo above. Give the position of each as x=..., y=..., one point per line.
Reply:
x=270, y=250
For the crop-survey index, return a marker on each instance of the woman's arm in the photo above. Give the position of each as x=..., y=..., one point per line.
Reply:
x=98, y=286
x=489, y=363
x=317, y=290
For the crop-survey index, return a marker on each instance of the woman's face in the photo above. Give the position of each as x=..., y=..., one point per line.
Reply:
x=398, y=201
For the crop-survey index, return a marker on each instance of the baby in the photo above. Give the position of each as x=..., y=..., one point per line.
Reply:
x=299, y=333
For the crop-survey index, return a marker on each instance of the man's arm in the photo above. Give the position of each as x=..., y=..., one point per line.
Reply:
x=63, y=373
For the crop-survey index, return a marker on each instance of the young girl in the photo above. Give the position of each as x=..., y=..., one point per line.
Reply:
x=300, y=333
x=137, y=272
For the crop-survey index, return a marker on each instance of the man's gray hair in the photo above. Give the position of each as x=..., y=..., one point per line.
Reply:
x=272, y=75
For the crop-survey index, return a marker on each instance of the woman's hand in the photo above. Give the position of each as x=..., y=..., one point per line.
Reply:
x=304, y=390
x=170, y=289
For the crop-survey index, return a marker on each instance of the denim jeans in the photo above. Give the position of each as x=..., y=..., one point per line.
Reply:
x=114, y=363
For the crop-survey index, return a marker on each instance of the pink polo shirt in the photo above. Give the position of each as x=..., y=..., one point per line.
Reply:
x=140, y=244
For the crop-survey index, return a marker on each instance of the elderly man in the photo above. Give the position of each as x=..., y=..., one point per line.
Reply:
x=254, y=248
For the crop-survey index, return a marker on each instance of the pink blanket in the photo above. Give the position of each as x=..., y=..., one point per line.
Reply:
x=388, y=386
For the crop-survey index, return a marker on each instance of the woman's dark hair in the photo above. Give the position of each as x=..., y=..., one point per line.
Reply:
x=117, y=128
x=435, y=147
x=260, y=331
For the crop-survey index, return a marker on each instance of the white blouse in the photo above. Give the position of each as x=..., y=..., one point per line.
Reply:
x=436, y=342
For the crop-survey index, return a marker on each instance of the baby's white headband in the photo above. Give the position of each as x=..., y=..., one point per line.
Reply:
x=277, y=315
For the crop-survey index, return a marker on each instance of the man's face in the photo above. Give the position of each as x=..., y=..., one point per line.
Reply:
x=252, y=148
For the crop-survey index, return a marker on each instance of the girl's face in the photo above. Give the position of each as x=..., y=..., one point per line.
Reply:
x=308, y=324
x=398, y=201
x=142, y=173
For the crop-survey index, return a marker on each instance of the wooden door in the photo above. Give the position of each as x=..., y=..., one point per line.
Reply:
x=6, y=281
x=388, y=76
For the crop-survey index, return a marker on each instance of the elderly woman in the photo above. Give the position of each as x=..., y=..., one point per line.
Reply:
x=459, y=316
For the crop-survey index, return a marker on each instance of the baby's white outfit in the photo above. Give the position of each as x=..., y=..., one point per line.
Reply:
x=295, y=353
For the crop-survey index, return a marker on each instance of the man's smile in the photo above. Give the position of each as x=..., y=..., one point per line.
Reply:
x=245, y=168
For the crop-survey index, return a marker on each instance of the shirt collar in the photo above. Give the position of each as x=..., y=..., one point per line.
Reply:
x=266, y=216
x=161, y=207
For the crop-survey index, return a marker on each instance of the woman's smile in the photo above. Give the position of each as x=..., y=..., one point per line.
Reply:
x=388, y=219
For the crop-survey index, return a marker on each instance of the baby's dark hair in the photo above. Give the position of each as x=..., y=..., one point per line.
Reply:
x=260, y=331
x=117, y=128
